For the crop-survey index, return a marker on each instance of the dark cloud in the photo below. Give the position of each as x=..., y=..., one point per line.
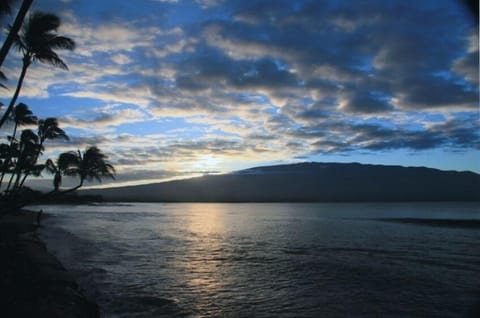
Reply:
x=257, y=136
x=467, y=66
x=366, y=102
x=400, y=46
x=216, y=70
x=456, y=134
x=79, y=141
x=435, y=91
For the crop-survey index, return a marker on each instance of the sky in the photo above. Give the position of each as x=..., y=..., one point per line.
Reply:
x=175, y=88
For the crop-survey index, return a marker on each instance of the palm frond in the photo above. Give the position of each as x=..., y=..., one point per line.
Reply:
x=61, y=42
x=6, y=7
x=37, y=170
x=48, y=129
x=67, y=161
x=41, y=22
x=38, y=39
x=22, y=115
x=50, y=166
x=28, y=137
x=50, y=57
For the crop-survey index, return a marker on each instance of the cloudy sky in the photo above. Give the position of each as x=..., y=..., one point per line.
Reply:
x=171, y=88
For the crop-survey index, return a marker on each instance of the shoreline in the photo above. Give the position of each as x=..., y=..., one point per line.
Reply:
x=33, y=281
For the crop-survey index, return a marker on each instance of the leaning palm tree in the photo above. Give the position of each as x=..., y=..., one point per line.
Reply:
x=21, y=115
x=37, y=41
x=5, y=8
x=28, y=146
x=89, y=165
x=53, y=169
x=47, y=129
x=6, y=161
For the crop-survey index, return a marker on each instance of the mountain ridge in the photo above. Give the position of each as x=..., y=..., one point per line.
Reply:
x=309, y=182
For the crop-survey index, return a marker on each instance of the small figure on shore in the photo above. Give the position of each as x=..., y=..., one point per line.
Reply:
x=39, y=214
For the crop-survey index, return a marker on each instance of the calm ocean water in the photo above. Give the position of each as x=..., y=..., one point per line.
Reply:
x=272, y=260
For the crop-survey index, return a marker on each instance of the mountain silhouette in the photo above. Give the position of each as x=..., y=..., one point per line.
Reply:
x=310, y=182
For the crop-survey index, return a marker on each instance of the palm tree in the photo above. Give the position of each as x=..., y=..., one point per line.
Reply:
x=28, y=147
x=89, y=165
x=5, y=7
x=47, y=129
x=22, y=115
x=37, y=41
x=6, y=163
x=53, y=169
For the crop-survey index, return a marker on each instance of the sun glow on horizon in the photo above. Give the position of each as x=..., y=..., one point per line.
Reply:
x=207, y=162
x=203, y=90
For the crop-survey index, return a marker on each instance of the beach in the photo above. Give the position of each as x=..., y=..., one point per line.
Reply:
x=33, y=282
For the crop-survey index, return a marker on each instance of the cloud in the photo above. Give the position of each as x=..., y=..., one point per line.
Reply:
x=423, y=92
x=365, y=102
x=121, y=59
x=258, y=75
x=456, y=134
x=105, y=118
x=205, y=4
x=107, y=36
x=467, y=65
x=248, y=80
x=393, y=46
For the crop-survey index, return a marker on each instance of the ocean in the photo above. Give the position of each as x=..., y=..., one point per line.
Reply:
x=272, y=260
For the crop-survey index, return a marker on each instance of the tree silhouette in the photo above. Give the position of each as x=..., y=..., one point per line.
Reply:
x=19, y=156
x=89, y=165
x=5, y=7
x=47, y=129
x=57, y=174
x=26, y=150
x=22, y=115
x=37, y=41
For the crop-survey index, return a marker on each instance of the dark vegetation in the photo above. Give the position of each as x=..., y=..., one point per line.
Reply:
x=21, y=153
x=311, y=182
x=32, y=282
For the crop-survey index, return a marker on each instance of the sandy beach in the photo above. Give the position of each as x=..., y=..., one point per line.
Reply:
x=33, y=283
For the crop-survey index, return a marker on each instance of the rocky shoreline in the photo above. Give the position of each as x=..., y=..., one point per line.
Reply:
x=33, y=283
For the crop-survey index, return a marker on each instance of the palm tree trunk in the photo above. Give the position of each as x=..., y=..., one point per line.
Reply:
x=26, y=63
x=10, y=181
x=74, y=188
x=17, y=181
x=17, y=24
x=10, y=157
x=14, y=133
x=4, y=171
x=27, y=173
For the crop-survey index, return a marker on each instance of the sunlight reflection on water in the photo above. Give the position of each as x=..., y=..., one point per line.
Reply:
x=264, y=260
